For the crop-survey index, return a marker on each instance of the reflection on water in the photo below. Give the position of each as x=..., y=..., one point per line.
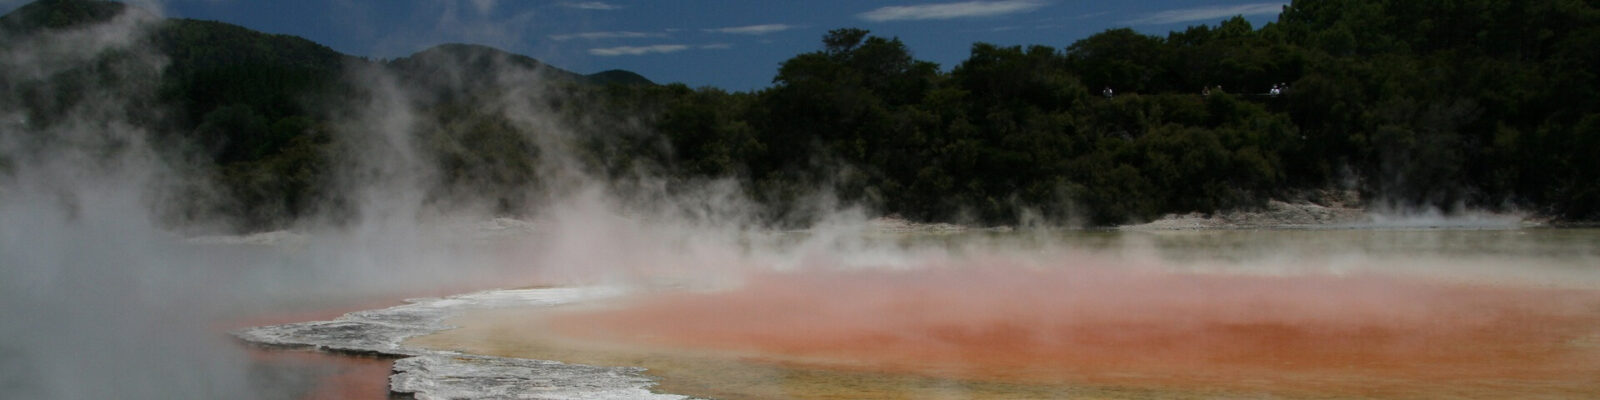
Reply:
x=1345, y=313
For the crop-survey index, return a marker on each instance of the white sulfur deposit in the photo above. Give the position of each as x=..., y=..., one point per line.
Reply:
x=431, y=374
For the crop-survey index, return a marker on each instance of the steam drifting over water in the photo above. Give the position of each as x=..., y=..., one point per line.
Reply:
x=997, y=317
x=1341, y=313
x=117, y=282
x=102, y=292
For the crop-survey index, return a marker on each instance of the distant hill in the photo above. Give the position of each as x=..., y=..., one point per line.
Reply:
x=216, y=64
x=618, y=76
x=200, y=45
x=261, y=107
x=58, y=14
x=475, y=67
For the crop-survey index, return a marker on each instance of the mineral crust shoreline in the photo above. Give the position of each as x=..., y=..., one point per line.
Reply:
x=426, y=374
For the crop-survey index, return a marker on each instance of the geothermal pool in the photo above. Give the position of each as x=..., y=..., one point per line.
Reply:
x=1503, y=313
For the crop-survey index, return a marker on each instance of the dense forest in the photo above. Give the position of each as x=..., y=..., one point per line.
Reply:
x=1443, y=105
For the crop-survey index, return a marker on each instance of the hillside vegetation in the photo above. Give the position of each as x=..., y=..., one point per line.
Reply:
x=1418, y=105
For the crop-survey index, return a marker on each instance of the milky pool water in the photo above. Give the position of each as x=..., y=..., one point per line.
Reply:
x=1354, y=313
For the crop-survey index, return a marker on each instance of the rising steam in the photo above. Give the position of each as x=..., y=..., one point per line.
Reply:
x=102, y=294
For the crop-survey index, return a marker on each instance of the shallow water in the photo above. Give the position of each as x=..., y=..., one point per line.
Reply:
x=1302, y=314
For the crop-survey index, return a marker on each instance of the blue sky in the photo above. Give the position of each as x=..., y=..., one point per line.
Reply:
x=732, y=44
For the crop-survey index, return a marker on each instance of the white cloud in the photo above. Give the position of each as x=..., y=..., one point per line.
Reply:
x=1209, y=13
x=1091, y=15
x=966, y=9
x=606, y=35
x=591, y=5
x=716, y=46
x=753, y=29
x=638, y=50
x=484, y=6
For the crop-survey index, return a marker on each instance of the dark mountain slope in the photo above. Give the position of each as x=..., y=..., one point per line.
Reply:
x=58, y=14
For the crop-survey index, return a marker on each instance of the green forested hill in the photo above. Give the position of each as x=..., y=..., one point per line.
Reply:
x=58, y=14
x=1444, y=104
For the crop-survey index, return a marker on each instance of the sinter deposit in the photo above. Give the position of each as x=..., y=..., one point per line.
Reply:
x=431, y=374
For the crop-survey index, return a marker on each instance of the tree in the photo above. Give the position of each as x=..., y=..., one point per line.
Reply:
x=1122, y=59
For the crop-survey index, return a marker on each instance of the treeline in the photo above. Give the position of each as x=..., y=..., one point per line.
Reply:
x=1443, y=105
x=1447, y=104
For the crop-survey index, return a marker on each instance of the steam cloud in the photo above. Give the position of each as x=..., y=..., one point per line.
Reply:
x=105, y=290
x=109, y=289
